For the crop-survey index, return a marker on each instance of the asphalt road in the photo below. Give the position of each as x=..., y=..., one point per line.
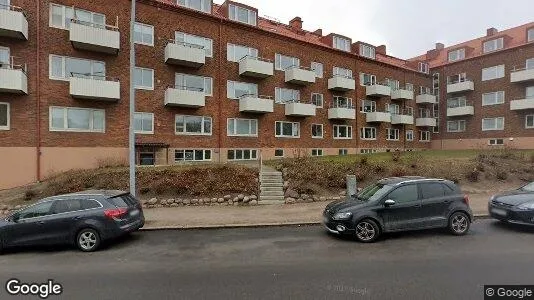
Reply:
x=283, y=263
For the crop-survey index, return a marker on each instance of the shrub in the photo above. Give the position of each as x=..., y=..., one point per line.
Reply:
x=473, y=175
x=29, y=195
x=502, y=175
x=396, y=155
x=363, y=160
x=399, y=172
x=532, y=158
x=481, y=167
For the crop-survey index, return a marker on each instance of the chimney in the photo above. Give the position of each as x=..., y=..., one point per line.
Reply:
x=318, y=32
x=296, y=23
x=491, y=31
x=440, y=46
x=381, y=49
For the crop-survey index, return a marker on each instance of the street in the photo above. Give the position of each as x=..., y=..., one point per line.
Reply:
x=283, y=263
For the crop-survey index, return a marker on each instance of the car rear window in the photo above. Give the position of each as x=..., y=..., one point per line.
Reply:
x=125, y=200
x=432, y=190
x=90, y=204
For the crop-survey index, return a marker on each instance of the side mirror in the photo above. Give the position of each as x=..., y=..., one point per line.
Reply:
x=14, y=218
x=389, y=202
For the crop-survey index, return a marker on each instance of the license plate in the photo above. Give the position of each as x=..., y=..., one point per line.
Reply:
x=134, y=213
x=500, y=212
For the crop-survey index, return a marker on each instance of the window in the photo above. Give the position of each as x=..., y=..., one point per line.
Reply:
x=367, y=79
x=236, y=52
x=200, y=5
x=424, y=136
x=35, y=211
x=317, y=152
x=241, y=14
x=62, y=68
x=77, y=119
x=423, y=90
x=424, y=113
x=408, y=87
x=192, y=155
x=242, y=127
x=424, y=68
x=404, y=194
x=455, y=55
x=60, y=17
x=194, y=83
x=493, y=98
x=279, y=153
x=393, y=108
x=456, y=126
x=529, y=92
x=143, y=78
x=242, y=154
x=236, y=90
x=144, y=123
x=493, y=73
x=4, y=55
x=4, y=116
x=529, y=121
x=493, y=124
x=367, y=151
x=342, y=72
x=393, y=84
x=317, y=100
x=90, y=204
x=408, y=110
x=192, y=125
x=368, y=133
x=65, y=206
x=343, y=152
x=342, y=43
x=457, y=102
x=529, y=63
x=143, y=34
x=317, y=131
x=392, y=134
x=342, y=102
x=283, y=62
x=287, y=129
x=432, y=190
x=409, y=135
x=205, y=43
x=342, y=132
x=493, y=45
x=282, y=95
x=496, y=142
x=367, y=51
x=368, y=106
x=318, y=69
x=456, y=78
x=530, y=35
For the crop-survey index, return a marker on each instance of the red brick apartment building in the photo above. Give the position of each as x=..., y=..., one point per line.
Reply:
x=220, y=83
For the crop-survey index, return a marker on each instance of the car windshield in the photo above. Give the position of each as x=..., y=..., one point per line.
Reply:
x=373, y=192
x=529, y=187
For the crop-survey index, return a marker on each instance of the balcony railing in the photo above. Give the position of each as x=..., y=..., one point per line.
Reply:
x=299, y=75
x=13, y=77
x=462, y=85
x=522, y=74
x=300, y=108
x=94, y=87
x=184, y=54
x=342, y=109
x=460, y=109
x=95, y=36
x=254, y=66
x=522, y=104
x=378, y=117
x=185, y=96
x=402, y=94
x=13, y=22
x=253, y=103
x=378, y=89
x=341, y=83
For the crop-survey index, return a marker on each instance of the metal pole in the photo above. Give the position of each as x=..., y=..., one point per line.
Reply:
x=132, y=104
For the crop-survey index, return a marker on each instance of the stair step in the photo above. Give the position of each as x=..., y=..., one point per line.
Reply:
x=271, y=201
x=271, y=173
x=263, y=194
x=271, y=188
x=272, y=183
x=279, y=198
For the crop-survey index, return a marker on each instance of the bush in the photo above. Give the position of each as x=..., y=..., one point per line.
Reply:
x=399, y=172
x=363, y=160
x=481, y=167
x=502, y=175
x=473, y=175
x=29, y=195
x=396, y=155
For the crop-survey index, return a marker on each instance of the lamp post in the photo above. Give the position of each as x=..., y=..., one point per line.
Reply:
x=131, y=139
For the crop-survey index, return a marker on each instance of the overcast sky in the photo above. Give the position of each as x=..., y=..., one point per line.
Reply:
x=407, y=27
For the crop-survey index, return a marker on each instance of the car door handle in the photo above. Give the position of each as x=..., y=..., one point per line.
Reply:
x=41, y=222
x=76, y=218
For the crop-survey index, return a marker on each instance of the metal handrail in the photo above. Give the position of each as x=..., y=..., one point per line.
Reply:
x=190, y=45
x=467, y=103
x=342, y=76
x=186, y=88
x=256, y=96
x=14, y=66
x=93, y=76
x=460, y=81
x=255, y=58
x=96, y=25
x=335, y=104
x=425, y=113
x=517, y=69
x=13, y=8
x=299, y=67
x=404, y=112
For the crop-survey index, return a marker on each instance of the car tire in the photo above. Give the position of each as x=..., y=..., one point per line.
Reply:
x=459, y=223
x=366, y=231
x=88, y=240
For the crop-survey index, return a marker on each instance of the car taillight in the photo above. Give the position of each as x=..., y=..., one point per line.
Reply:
x=115, y=213
x=466, y=199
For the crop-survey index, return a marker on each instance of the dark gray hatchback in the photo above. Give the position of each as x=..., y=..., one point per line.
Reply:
x=84, y=219
x=400, y=204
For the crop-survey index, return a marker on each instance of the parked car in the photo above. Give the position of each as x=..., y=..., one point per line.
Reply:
x=400, y=204
x=516, y=206
x=84, y=219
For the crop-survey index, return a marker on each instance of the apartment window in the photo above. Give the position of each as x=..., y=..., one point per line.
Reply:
x=318, y=69
x=192, y=125
x=409, y=135
x=317, y=131
x=456, y=78
x=368, y=106
x=393, y=84
x=529, y=120
x=317, y=100
x=236, y=90
x=61, y=16
x=456, y=126
x=493, y=98
x=529, y=92
x=236, y=52
x=424, y=113
x=342, y=102
x=242, y=154
x=424, y=68
x=456, y=54
x=392, y=134
x=493, y=45
x=282, y=95
x=457, y=102
x=200, y=5
x=367, y=79
x=409, y=110
x=368, y=133
x=279, y=153
x=287, y=129
x=342, y=72
x=493, y=124
x=242, y=127
x=144, y=123
x=241, y=14
x=367, y=151
x=283, y=62
x=342, y=43
x=424, y=136
x=529, y=63
x=143, y=78
x=4, y=116
x=143, y=34
x=77, y=119
x=393, y=109
x=62, y=68
x=530, y=35
x=192, y=155
x=496, y=142
x=423, y=90
x=205, y=43
x=194, y=83
x=408, y=87
x=493, y=73
x=317, y=152
x=342, y=132
x=367, y=51
x=343, y=152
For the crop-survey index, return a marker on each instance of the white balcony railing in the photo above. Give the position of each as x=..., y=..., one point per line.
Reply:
x=378, y=90
x=522, y=104
x=462, y=86
x=300, y=109
x=255, y=67
x=466, y=110
x=341, y=83
x=95, y=37
x=256, y=104
x=13, y=22
x=299, y=75
x=342, y=109
x=13, y=77
x=425, y=122
x=426, y=99
x=401, y=94
x=378, y=117
x=403, y=118
x=185, y=54
x=522, y=74
x=183, y=96
x=94, y=87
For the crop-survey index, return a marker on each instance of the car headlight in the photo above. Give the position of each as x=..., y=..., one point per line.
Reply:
x=491, y=198
x=526, y=206
x=342, y=216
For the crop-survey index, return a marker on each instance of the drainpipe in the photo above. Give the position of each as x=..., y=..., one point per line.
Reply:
x=38, y=91
x=219, y=90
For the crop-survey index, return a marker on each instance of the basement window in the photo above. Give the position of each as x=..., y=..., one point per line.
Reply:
x=4, y=116
x=317, y=152
x=496, y=142
x=279, y=153
x=242, y=154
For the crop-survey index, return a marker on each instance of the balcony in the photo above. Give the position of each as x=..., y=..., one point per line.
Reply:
x=342, y=109
x=426, y=99
x=298, y=109
x=181, y=96
x=255, y=67
x=522, y=75
x=299, y=75
x=404, y=118
x=462, y=86
x=378, y=117
x=13, y=22
x=341, y=83
x=256, y=104
x=522, y=104
x=378, y=90
x=467, y=110
x=425, y=122
x=401, y=94
x=185, y=54
x=95, y=37
x=94, y=87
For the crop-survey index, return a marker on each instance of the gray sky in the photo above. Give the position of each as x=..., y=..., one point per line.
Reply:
x=407, y=27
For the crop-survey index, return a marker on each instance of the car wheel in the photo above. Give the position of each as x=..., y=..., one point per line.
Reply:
x=367, y=231
x=459, y=223
x=88, y=240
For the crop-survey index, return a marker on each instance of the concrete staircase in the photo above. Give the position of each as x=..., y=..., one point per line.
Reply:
x=271, y=187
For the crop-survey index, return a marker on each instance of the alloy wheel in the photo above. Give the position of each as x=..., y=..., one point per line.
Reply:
x=365, y=231
x=459, y=223
x=87, y=240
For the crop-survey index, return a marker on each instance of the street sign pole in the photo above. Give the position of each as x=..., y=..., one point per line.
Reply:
x=131, y=139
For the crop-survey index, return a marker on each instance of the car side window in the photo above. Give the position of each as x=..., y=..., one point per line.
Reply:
x=65, y=206
x=38, y=210
x=90, y=204
x=432, y=190
x=404, y=193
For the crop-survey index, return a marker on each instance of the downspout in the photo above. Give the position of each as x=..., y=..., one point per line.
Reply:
x=219, y=90
x=38, y=91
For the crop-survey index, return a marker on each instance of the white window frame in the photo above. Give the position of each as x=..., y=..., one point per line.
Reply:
x=207, y=81
x=362, y=106
x=295, y=129
x=530, y=35
x=343, y=152
x=409, y=135
x=526, y=122
x=424, y=67
x=393, y=83
x=186, y=36
x=318, y=152
x=322, y=131
x=242, y=150
x=142, y=114
x=425, y=134
x=460, y=124
x=145, y=87
x=279, y=156
x=496, y=127
x=278, y=61
x=371, y=82
x=493, y=45
x=65, y=120
x=205, y=4
x=408, y=86
x=252, y=126
x=529, y=92
x=367, y=51
x=493, y=142
x=318, y=68
x=315, y=102
x=372, y=132
x=342, y=72
x=498, y=98
x=424, y=90
x=203, y=130
x=494, y=72
x=231, y=53
x=336, y=131
x=233, y=13
x=66, y=77
x=456, y=55
x=396, y=134
x=8, y=56
x=529, y=63
x=278, y=93
x=462, y=102
x=341, y=43
x=143, y=26
x=204, y=152
x=64, y=15
x=462, y=77
x=230, y=88
x=8, y=117
x=393, y=108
